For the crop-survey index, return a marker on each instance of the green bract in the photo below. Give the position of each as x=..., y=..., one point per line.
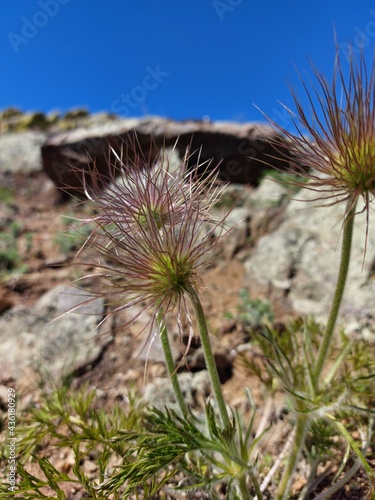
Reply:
x=355, y=168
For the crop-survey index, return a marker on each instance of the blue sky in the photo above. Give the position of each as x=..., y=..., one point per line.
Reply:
x=175, y=58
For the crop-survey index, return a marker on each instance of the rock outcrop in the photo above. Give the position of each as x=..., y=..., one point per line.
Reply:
x=20, y=152
x=299, y=261
x=241, y=150
x=31, y=340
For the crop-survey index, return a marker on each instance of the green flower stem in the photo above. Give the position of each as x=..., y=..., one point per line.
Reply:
x=301, y=429
x=216, y=387
x=209, y=357
x=244, y=490
x=339, y=291
x=171, y=366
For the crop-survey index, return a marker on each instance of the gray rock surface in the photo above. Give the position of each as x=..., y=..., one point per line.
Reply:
x=300, y=259
x=30, y=339
x=160, y=393
x=21, y=151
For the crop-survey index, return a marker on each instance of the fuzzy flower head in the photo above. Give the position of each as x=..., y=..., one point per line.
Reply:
x=153, y=230
x=339, y=162
x=153, y=192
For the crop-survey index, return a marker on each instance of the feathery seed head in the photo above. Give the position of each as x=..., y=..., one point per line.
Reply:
x=153, y=232
x=155, y=193
x=341, y=123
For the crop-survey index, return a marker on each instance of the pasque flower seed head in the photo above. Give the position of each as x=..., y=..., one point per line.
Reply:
x=142, y=191
x=338, y=153
x=153, y=229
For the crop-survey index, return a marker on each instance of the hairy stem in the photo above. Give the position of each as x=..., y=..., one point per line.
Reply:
x=216, y=388
x=209, y=357
x=299, y=439
x=339, y=291
x=256, y=485
x=243, y=489
x=171, y=367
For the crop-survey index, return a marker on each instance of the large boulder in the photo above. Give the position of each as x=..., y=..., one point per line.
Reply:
x=299, y=262
x=242, y=150
x=31, y=339
x=20, y=152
